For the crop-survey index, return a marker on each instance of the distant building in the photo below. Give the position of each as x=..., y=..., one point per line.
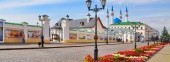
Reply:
x=79, y=30
x=126, y=25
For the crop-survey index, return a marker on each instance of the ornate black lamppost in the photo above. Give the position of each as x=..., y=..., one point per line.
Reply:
x=42, y=19
x=96, y=9
x=107, y=41
x=135, y=25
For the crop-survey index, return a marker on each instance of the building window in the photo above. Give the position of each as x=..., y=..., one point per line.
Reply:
x=129, y=27
x=60, y=24
x=82, y=23
x=141, y=27
x=56, y=24
x=14, y=33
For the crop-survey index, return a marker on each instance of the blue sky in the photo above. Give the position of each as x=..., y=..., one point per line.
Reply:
x=156, y=13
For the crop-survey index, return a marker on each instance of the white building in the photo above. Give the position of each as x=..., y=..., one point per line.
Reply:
x=144, y=31
x=23, y=32
x=79, y=30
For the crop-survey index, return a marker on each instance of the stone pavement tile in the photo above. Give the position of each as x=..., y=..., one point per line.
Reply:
x=162, y=56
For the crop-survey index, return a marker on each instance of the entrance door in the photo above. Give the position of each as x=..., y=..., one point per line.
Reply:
x=55, y=37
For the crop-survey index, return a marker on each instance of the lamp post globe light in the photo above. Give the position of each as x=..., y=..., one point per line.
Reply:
x=96, y=9
x=135, y=25
x=42, y=19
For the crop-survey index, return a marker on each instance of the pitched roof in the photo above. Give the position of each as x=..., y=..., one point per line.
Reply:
x=76, y=23
x=21, y=24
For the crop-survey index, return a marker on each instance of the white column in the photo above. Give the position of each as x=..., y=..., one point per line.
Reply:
x=124, y=37
x=46, y=28
x=65, y=26
x=25, y=30
x=60, y=33
x=4, y=31
x=111, y=21
x=129, y=37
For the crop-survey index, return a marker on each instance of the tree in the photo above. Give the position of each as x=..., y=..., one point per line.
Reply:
x=165, y=35
x=153, y=39
x=157, y=38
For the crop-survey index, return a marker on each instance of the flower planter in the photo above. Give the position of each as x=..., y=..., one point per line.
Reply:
x=136, y=55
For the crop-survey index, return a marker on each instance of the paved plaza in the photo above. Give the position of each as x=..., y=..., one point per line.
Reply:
x=72, y=54
x=162, y=56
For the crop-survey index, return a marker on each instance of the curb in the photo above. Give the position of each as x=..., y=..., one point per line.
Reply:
x=53, y=47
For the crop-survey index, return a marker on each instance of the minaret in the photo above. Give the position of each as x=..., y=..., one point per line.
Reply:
x=108, y=18
x=126, y=14
x=112, y=16
x=88, y=17
x=120, y=14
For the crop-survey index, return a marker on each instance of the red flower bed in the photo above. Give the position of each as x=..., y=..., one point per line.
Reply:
x=135, y=55
x=129, y=53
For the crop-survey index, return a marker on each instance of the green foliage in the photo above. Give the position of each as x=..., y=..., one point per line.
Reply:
x=138, y=50
x=165, y=35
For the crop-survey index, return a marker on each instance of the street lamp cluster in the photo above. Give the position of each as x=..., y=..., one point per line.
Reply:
x=96, y=9
x=135, y=25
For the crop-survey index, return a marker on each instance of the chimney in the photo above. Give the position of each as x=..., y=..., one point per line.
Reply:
x=88, y=17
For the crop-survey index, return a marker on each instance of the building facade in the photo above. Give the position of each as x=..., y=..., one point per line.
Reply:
x=143, y=31
x=23, y=32
x=79, y=30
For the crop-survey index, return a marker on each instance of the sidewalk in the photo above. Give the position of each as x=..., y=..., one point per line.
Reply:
x=162, y=56
x=57, y=45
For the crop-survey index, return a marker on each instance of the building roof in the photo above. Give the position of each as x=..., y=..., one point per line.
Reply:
x=128, y=23
x=77, y=23
x=21, y=24
x=117, y=20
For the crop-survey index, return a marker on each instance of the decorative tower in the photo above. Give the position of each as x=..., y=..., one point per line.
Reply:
x=46, y=27
x=120, y=14
x=65, y=26
x=88, y=17
x=67, y=17
x=126, y=14
x=112, y=16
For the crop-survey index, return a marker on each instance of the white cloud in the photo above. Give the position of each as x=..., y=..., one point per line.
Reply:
x=132, y=1
x=23, y=3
